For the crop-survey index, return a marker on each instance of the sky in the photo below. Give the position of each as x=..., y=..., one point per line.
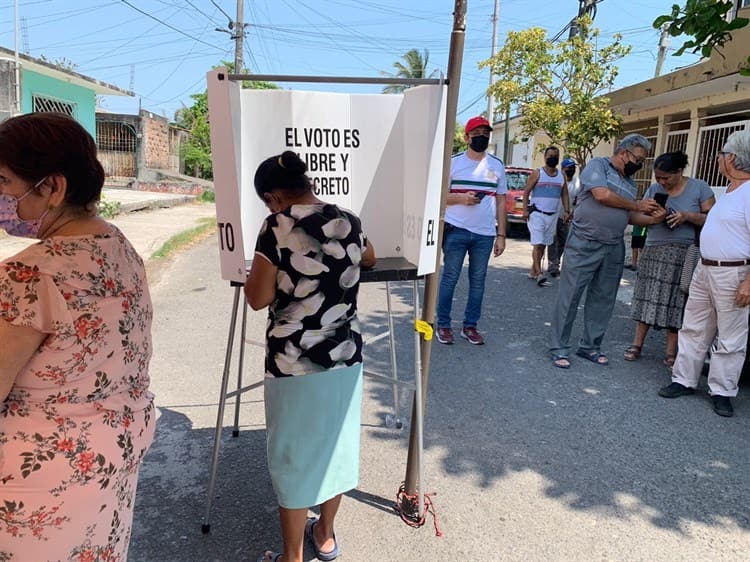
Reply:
x=162, y=49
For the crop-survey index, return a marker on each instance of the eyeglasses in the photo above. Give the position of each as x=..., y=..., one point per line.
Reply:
x=636, y=160
x=723, y=153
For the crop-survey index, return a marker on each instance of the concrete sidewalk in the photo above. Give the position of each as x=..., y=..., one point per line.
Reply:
x=147, y=218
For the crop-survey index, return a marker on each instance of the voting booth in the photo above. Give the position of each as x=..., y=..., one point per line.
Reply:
x=378, y=155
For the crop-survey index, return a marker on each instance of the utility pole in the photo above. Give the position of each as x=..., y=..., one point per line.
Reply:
x=239, y=35
x=663, y=46
x=18, y=62
x=236, y=31
x=585, y=7
x=490, y=97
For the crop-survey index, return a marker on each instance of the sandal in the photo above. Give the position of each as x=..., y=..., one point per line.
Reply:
x=594, y=357
x=325, y=556
x=561, y=362
x=669, y=361
x=633, y=353
x=542, y=281
x=269, y=556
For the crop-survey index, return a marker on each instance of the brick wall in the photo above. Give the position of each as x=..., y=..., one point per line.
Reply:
x=155, y=130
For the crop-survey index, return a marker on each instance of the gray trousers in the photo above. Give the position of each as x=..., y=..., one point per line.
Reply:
x=556, y=249
x=597, y=269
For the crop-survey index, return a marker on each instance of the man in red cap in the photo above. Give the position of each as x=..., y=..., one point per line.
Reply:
x=474, y=225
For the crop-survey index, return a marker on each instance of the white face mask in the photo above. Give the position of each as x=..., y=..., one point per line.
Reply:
x=14, y=225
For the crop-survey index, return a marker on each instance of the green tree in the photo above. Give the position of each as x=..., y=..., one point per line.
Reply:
x=559, y=87
x=459, y=143
x=414, y=65
x=707, y=23
x=197, y=149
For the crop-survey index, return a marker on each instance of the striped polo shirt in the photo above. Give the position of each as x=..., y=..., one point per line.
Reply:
x=485, y=175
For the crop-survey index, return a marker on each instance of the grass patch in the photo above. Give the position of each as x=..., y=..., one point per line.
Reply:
x=186, y=238
x=207, y=196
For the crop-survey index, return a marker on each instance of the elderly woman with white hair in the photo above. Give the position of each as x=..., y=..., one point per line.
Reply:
x=716, y=311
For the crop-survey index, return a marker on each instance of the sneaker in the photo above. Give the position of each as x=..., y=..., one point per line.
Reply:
x=445, y=335
x=554, y=273
x=723, y=406
x=674, y=390
x=472, y=335
x=542, y=281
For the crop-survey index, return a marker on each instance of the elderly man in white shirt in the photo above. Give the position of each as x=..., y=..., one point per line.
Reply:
x=717, y=308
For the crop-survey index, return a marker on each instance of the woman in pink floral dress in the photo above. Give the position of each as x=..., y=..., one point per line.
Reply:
x=76, y=416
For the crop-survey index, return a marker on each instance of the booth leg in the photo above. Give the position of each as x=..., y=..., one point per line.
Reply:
x=419, y=413
x=236, y=429
x=392, y=420
x=206, y=527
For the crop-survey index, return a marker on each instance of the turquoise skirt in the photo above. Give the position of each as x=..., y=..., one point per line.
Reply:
x=312, y=432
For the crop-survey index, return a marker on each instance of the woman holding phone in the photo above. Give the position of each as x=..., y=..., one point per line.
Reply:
x=657, y=299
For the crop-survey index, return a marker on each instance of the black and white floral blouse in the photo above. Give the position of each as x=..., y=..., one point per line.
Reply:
x=312, y=323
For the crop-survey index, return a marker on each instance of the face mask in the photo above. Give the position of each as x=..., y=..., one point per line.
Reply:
x=480, y=143
x=12, y=223
x=631, y=168
x=552, y=161
x=569, y=174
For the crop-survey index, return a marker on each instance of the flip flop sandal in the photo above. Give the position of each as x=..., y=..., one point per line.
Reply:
x=326, y=556
x=274, y=556
x=633, y=353
x=594, y=357
x=542, y=281
x=561, y=362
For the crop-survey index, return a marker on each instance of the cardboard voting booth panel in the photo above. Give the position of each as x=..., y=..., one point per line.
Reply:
x=375, y=154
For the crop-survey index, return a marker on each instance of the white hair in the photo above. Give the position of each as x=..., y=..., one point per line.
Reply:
x=632, y=140
x=738, y=144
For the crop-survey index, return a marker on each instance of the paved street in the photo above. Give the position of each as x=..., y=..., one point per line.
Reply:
x=527, y=462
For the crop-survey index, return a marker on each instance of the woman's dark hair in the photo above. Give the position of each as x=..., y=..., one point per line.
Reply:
x=671, y=162
x=38, y=145
x=285, y=171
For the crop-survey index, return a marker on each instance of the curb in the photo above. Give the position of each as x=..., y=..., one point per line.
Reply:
x=150, y=204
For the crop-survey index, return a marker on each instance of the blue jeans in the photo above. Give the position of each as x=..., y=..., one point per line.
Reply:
x=457, y=242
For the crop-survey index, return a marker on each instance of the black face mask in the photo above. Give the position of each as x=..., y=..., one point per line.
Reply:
x=480, y=143
x=552, y=161
x=631, y=168
x=570, y=173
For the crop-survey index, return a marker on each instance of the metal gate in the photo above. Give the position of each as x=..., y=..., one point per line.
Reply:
x=116, y=145
x=676, y=141
x=642, y=178
x=710, y=140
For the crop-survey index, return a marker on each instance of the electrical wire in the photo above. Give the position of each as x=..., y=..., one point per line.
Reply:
x=173, y=28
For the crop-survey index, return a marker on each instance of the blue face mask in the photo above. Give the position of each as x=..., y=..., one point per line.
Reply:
x=14, y=225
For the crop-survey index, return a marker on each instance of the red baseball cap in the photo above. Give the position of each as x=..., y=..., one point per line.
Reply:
x=475, y=122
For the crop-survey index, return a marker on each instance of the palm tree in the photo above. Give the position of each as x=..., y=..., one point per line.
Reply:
x=414, y=65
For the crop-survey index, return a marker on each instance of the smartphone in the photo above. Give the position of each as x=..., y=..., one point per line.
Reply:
x=661, y=199
x=480, y=194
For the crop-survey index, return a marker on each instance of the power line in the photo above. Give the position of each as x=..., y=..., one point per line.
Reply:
x=173, y=28
x=197, y=9
x=222, y=10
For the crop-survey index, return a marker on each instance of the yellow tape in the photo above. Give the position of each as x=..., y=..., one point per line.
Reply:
x=423, y=328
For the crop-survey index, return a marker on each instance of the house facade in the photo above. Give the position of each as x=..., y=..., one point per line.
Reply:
x=43, y=86
x=139, y=146
x=693, y=109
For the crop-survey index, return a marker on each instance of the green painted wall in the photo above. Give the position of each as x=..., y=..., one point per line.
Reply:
x=83, y=99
